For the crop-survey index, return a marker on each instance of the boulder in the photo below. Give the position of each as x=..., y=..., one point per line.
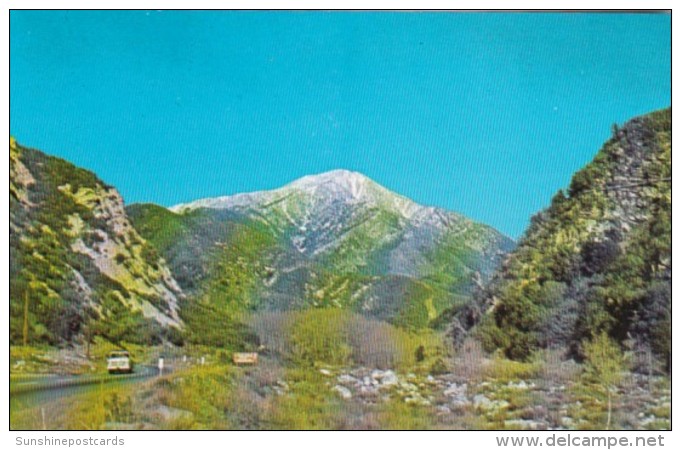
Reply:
x=480, y=401
x=344, y=392
x=456, y=390
x=347, y=379
x=165, y=413
x=459, y=402
x=520, y=385
x=389, y=378
x=443, y=410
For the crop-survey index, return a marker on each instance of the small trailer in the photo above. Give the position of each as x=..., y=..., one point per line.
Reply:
x=119, y=362
x=242, y=359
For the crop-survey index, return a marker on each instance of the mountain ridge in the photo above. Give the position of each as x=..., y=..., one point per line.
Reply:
x=341, y=238
x=354, y=185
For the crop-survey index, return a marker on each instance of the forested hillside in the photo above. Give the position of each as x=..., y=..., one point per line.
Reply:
x=597, y=260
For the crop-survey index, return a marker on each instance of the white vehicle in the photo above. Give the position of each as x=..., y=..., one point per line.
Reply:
x=119, y=362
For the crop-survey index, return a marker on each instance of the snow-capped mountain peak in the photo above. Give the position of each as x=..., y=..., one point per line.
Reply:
x=336, y=185
x=318, y=229
x=336, y=181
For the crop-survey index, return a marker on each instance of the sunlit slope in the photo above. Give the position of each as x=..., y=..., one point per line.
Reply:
x=77, y=266
x=598, y=259
x=335, y=239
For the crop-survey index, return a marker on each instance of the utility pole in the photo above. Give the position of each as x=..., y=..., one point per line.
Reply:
x=25, y=330
x=88, y=337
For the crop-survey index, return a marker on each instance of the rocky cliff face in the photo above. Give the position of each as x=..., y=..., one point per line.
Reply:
x=76, y=262
x=598, y=259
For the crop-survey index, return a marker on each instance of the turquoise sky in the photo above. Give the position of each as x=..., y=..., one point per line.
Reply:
x=485, y=114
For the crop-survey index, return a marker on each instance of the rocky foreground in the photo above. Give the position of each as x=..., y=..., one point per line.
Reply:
x=443, y=401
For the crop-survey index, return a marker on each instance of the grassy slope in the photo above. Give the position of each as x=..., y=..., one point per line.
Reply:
x=158, y=225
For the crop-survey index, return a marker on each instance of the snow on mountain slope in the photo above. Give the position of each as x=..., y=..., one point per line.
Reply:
x=350, y=187
x=338, y=238
x=317, y=212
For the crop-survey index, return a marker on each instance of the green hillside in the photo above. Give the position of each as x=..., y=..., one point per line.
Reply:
x=334, y=240
x=597, y=260
x=77, y=267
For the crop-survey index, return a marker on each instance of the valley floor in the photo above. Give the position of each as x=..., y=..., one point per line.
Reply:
x=471, y=391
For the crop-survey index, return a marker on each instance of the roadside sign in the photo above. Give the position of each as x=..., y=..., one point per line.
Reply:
x=245, y=358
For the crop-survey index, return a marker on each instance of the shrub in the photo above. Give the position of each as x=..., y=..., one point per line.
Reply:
x=596, y=256
x=605, y=364
x=311, y=405
x=439, y=367
x=420, y=353
x=320, y=336
x=656, y=321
